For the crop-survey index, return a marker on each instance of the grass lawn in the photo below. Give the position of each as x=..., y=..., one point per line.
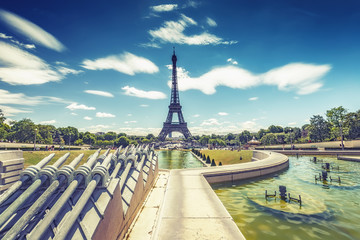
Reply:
x=227, y=157
x=32, y=158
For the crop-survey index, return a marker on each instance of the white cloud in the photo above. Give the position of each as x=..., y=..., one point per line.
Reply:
x=251, y=126
x=304, y=78
x=164, y=8
x=232, y=61
x=74, y=114
x=87, y=118
x=10, y=111
x=7, y=97
x=104, y=115
x=126, y=63
x=139, y=131
x=30, y=30
x=299, y=77
x=296, y=97
x=253, y=98
x=128, y=122
x=144, y=105
x=211, y=22
x=173, y=32
x=76, y=106
x=210, y=122
x=66, y=71
x=50, y=122
x=223, y=113
x=196, y=115
x=97, y=128
x=4, y=36
x=24, y=68
x=131, y=91
x=292, y=124
x=100, y=93
x=129, y=115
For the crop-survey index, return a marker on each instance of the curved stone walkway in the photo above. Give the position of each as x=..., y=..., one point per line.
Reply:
x=190, y=209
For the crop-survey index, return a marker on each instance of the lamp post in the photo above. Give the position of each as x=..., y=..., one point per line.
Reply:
x=69, y=140
x=35, y=140
x=341, y=135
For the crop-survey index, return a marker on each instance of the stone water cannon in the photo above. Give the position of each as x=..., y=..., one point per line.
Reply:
x=282, y=192
x=284, y=196
x=326, y=166
x=61, y=179
x=324, y=177
x=315, y=160
x=80, y=178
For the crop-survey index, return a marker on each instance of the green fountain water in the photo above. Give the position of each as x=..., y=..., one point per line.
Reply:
x=330, y=210
x=176, y=159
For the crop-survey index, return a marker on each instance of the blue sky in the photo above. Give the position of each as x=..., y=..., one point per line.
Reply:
x=242, y=65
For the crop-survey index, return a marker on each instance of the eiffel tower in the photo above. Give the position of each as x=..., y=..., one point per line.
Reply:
x=174, y=107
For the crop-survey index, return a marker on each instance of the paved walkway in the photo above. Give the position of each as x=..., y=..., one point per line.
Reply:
x=182, y=205
x=186, y=207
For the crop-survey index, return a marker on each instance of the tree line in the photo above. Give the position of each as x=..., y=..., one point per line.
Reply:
x=338, y=124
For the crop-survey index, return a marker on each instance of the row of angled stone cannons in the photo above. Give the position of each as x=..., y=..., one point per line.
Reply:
x=98, y=200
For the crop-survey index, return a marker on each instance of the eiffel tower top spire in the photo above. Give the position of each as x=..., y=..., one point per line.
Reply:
x=174, y=89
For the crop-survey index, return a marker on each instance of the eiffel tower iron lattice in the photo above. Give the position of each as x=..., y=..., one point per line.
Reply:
x=174, y=107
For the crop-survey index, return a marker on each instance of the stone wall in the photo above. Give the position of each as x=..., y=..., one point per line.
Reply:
x=11, y=165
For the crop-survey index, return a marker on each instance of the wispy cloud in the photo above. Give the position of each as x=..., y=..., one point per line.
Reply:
x=88, y=118
x=7, y=97
x=253, y=98
x=49, y=122
x=164, y=7
x=66, y=70
x=223, y=113
x=173, y=32
x=31, y=31
x=299, y=77
x=11, y=111
x=196, y=115
x=210, y=122
x=76, y=106
x=23, y=68
x=104, y=115
x=128, y=122
x=126, y=63
x=11, y=39
x=131, y=91
x=144, y=105
x=100, y=93
x=292, y=123
x=211, y=22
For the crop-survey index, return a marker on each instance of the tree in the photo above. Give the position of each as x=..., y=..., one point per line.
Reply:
x=24, y=131
x=275, y=129
x=2, y=117
x=352, y=120
x=122, y=141
x=319, y=128
x=336, y=118
x=69, y=134
x=110, y=136
x=89, y=138
x=268, y=139
x=204, y=140
x=150, y=136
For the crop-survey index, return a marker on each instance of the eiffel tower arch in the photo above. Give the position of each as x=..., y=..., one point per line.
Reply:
x=174, y=108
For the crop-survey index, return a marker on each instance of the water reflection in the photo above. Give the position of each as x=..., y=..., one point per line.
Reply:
x=176, y=159
x=338, y=220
